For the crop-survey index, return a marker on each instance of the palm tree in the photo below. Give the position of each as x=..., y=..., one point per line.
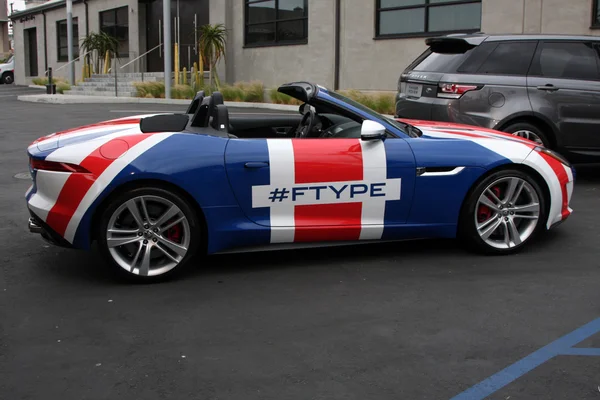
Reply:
x=98, y=44
x=212, y=48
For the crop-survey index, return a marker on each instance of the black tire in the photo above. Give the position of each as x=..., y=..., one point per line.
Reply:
x=467, y=229
x=526, y=126
x=195, y=232
x=8, y=78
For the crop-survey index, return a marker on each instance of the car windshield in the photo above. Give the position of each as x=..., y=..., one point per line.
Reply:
x=400, y=125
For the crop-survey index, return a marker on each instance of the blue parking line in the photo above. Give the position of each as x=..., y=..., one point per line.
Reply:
x=562, y=346
x=578, y=351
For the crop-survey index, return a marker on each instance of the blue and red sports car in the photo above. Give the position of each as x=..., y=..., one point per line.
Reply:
x=154, y=190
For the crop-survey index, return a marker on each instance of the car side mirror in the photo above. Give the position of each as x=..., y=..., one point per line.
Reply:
x=372, y=130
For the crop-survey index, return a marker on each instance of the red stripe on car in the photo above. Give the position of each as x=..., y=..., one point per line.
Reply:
x=329, y=161
x=77, y=185
x=563, y=179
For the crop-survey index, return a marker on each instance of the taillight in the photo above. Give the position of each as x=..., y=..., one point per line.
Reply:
x=455, y=90
x=56, y=166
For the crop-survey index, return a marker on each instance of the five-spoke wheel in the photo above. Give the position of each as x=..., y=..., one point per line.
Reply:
x=148, y=232
x=503, y=212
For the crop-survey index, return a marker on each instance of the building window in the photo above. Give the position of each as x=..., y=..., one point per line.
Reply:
x=62, y=39
x=401, y=18
x=275, y=22
x=115, y=23
x=595, y=14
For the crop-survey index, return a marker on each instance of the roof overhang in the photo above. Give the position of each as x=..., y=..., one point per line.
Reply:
x=21, y=16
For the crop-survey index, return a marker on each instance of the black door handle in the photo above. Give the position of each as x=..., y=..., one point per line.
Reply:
x=548, y=88
x=256, y=164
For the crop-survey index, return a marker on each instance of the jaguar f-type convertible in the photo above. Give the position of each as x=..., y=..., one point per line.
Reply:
x=154, y=190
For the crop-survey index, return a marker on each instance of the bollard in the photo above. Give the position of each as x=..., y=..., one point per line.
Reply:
x=50, y=86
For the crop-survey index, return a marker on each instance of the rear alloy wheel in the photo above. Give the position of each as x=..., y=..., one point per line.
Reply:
x=148, y=233
x=528, y=131
x=503, y=213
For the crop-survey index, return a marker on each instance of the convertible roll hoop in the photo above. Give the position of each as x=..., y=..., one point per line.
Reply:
x=303, y=91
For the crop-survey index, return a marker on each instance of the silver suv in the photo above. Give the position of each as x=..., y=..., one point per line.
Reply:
x=542, y=87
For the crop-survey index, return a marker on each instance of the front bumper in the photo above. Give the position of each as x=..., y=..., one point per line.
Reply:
x=37, y=226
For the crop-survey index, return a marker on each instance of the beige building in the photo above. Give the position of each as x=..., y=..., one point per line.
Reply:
x=361, y=44
x=4, y=42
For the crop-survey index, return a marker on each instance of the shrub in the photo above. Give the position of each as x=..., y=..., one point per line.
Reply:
x=380, y=102
x=150, y=89
x=281, y=98
x=62, y=86
x=181, y=92
x=254, y=92
x=43, y=81
x=232, y=93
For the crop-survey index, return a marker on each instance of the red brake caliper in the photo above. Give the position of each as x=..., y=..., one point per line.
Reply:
x=174, y=233
x=484, y=213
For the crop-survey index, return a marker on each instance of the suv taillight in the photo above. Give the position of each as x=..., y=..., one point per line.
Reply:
x=403, y=78
x=455, y=90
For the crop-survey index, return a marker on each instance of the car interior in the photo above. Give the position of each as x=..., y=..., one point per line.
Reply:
x=312, y=121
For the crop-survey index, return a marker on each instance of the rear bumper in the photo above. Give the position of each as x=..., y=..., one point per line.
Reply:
x=37, y=226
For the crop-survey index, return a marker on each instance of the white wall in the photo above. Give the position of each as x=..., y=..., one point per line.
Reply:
x=280, y=64
x=97, y=6
x=367, y=63
x=19, y=38
x=52, y=16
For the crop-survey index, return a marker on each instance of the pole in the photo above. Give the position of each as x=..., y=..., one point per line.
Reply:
x=70, y=40
x=167, y=46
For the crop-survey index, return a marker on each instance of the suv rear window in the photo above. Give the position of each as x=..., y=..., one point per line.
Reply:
x=507, y=58
x=436, y=62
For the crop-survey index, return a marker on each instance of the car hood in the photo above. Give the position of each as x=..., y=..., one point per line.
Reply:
x=7, y=66
x=449, y=130
x=121, y=126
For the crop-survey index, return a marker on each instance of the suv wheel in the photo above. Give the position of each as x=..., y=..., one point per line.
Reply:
x=528, y=131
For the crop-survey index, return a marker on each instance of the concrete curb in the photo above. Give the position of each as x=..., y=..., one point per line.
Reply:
x=76, y=99
x=37, y=86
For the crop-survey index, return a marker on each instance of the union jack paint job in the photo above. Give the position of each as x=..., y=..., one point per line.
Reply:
x=296, y=190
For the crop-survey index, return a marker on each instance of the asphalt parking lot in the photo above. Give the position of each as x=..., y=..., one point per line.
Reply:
x=415, y=320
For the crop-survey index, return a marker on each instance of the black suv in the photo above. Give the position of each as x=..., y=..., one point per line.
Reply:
x=542, y=87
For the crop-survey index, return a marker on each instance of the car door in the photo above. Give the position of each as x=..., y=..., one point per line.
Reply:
x=309, y=190
x=564, y=86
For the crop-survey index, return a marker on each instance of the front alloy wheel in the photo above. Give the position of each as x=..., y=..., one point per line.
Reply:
x=503, y=213
x=148, y=233
x=507, y=212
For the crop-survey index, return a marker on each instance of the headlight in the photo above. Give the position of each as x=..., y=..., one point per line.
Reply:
x=554, y=155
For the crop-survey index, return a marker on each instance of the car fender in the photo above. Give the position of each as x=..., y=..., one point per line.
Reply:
x=559, y=179
x=178, y=161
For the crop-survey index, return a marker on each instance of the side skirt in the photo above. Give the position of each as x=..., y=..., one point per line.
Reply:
x=307, y=245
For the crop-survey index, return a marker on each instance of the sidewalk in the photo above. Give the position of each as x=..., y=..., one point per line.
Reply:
x=75, y=99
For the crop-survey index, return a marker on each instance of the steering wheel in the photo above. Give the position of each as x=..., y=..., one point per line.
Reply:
x=306, y=125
